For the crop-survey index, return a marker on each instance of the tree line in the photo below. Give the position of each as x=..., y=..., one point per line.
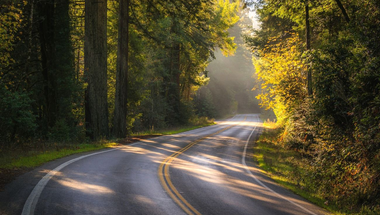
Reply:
x=318, y=66
x=74, y=69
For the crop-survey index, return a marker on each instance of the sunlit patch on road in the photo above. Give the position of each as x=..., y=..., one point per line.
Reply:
x=144, y=199
x=85, y=187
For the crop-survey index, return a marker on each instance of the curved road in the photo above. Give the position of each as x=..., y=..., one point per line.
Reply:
x=203, y=171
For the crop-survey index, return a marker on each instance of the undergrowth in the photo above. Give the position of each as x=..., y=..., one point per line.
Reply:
x=21, y=158
x=296, y=172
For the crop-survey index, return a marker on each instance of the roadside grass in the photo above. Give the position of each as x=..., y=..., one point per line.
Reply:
x=287, y=167
x=33, y=156
x=19, y=158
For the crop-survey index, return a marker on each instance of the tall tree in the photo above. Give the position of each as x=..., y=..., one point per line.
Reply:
x=57, y=60
x=120, y=114
x=46, y=35
x=96, y=68
x=308, y=46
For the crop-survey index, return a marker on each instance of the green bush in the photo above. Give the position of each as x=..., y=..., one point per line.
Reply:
x=60, y=132
x=16, y=118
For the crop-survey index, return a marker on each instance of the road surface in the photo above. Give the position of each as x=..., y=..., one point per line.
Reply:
x=203, y=171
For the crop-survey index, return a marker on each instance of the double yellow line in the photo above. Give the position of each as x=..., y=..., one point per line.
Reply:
x=164, y=176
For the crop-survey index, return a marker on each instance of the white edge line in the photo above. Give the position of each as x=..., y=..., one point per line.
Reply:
x=31, y=202
x=261, y=183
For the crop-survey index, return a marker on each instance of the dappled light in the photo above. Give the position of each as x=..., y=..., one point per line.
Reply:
x=144, y=199
x=87, y=188
x=114, y=100
x=217, y=173
x=158, y=106
x=220, y=169
x=171, y=169
x=204, y=166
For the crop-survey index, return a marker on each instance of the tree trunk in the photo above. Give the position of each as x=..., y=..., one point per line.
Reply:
x=172, y=88
x=95, y=52
x=175, y=71
x=46, y=36
x=308, y=46
x=30, y=36
x=120, y=114
x=56, y=59
x=64, y=62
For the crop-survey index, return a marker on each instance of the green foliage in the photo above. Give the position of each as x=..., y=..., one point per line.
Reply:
x=337, y=128
x=176, y=53
x=137, y=90
x=348, y=123
x=289, y=168
x=60, y=132
x=153, y=111
x=42, y=71
x=204, y=103
x=17, y=122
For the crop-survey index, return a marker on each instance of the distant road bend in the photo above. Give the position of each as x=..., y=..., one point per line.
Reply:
x=203, y=171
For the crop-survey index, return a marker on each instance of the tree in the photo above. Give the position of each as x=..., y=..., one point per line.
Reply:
x=337, y=131
x=164, y=48
x=48, y=54
x=308, y=47
x=120, y=114
x=183, y=36
x=96, y=68
x=57, y=62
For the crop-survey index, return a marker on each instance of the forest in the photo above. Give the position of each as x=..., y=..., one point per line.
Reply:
x=318, y=65
x=74, y=70
x=79, y=70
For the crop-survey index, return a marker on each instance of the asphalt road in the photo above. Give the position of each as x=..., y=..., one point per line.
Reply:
x=203, y=171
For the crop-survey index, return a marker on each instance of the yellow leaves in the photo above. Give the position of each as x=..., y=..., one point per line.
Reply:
x=228, y=10
x=9, y=24
x=281, y=72
x=226, y=15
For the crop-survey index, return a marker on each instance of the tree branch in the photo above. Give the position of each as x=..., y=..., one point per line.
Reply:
x=340, y=5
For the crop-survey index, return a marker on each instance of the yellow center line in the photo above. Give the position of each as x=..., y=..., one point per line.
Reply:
x=164, y=176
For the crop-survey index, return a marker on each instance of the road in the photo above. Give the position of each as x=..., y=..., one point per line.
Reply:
x=203, y=171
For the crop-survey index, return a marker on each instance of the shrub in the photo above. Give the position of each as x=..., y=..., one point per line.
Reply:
x=16, y=118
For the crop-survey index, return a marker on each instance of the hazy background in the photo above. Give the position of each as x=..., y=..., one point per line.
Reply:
x=231, y=79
